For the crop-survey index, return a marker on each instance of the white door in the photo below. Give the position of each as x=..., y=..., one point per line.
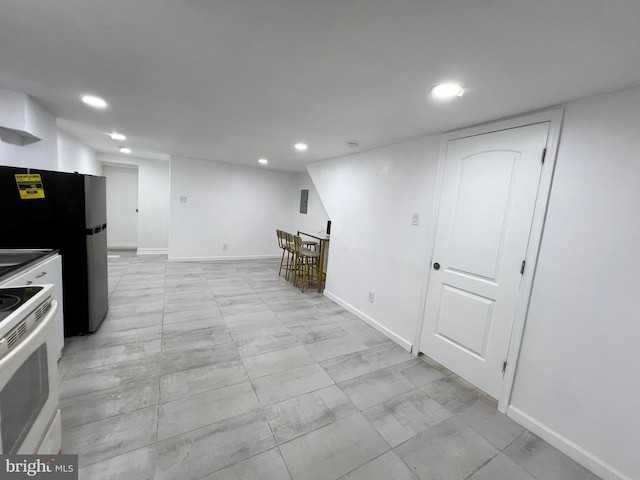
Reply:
x=488, y=196
x=122, y=206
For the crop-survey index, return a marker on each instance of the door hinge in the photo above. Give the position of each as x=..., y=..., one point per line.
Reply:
x=544, y=154
x=522, y=267
x=504, y=367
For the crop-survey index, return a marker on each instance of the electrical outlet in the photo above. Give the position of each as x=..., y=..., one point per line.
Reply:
x=225, y=246
x=370, y=296
x=183, y=199
x=415, y=219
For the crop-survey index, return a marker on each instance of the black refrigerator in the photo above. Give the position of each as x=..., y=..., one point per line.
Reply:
x=66, y=211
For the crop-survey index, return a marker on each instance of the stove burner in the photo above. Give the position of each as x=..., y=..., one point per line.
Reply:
x=8, y=301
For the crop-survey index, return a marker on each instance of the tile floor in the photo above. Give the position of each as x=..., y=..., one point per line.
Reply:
x=223, y=370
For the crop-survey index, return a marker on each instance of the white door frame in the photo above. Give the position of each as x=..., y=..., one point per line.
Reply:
x=554, y=117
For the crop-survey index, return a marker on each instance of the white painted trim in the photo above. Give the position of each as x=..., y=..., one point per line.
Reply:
x=152, y=251
x=505, y=124
x=566, y=446
x=404, y=343
x=122, y=247
x=125, y=164
x=554, y=117
x=431, y=243
x=211, y=259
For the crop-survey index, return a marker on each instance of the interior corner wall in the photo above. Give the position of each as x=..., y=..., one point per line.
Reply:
x=41, y=154
x=370, y=198
x=153, y=200
x=315, y=220
x=75, y=156
x=213, y=204
x=577, y=376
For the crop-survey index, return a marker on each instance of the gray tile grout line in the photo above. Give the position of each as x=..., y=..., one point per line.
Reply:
x=266, y=418
x=262, y=406
x=155, y=445
x=356, y=412
x=123, y=453
x=459, y=380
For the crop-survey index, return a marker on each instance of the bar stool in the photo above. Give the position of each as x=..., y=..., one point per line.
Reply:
x=291, y=254
x=310, y=244
x=306, y=263
x=282, y=243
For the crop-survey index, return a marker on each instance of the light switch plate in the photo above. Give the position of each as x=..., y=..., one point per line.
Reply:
x=183, y=199
x=415, y=219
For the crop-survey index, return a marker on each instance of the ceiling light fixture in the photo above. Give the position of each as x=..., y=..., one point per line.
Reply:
x=301, y=147
x=94, y=101
x=117, y=136
x=447, y=90
x=263, y=161
x=125, y=150
x=353, y=144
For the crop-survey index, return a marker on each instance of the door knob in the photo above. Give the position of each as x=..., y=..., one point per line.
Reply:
x=436, y=266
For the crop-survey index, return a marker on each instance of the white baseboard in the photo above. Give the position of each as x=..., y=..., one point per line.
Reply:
x=407, y=345
x=152, y=251
x=211, y=259
x=566, y=446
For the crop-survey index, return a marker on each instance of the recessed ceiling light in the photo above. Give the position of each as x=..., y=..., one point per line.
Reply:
x=353, y=144
x=301, y=147
x=263, y=161
x=447, y=90
x=94, y=101
x=117, y=136
x=125, y=150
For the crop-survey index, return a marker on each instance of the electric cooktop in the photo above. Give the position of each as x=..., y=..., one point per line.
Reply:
x=13, y=259
x=13, y=298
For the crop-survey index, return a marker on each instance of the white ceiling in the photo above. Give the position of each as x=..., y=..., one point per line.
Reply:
x=236, y=80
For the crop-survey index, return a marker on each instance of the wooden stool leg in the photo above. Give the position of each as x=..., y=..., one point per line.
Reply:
x=282, y=263
x=300, y=272
x=304, y=272
x=287, y=268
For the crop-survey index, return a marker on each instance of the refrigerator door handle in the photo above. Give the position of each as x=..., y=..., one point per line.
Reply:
x=93, y=231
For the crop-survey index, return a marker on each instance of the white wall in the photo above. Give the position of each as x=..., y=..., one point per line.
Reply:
x=56, y=150
x=153, y=201
x=577, y=376
x=19, y=111
x=238, y=206
x=315, y=220
x=370, y=198
x=74, y=156
x=576, y=383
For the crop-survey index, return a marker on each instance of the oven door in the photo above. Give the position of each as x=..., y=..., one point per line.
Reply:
x=29, y=389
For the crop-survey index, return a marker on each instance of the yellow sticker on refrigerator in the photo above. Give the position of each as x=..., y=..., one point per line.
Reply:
x=30, y=186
